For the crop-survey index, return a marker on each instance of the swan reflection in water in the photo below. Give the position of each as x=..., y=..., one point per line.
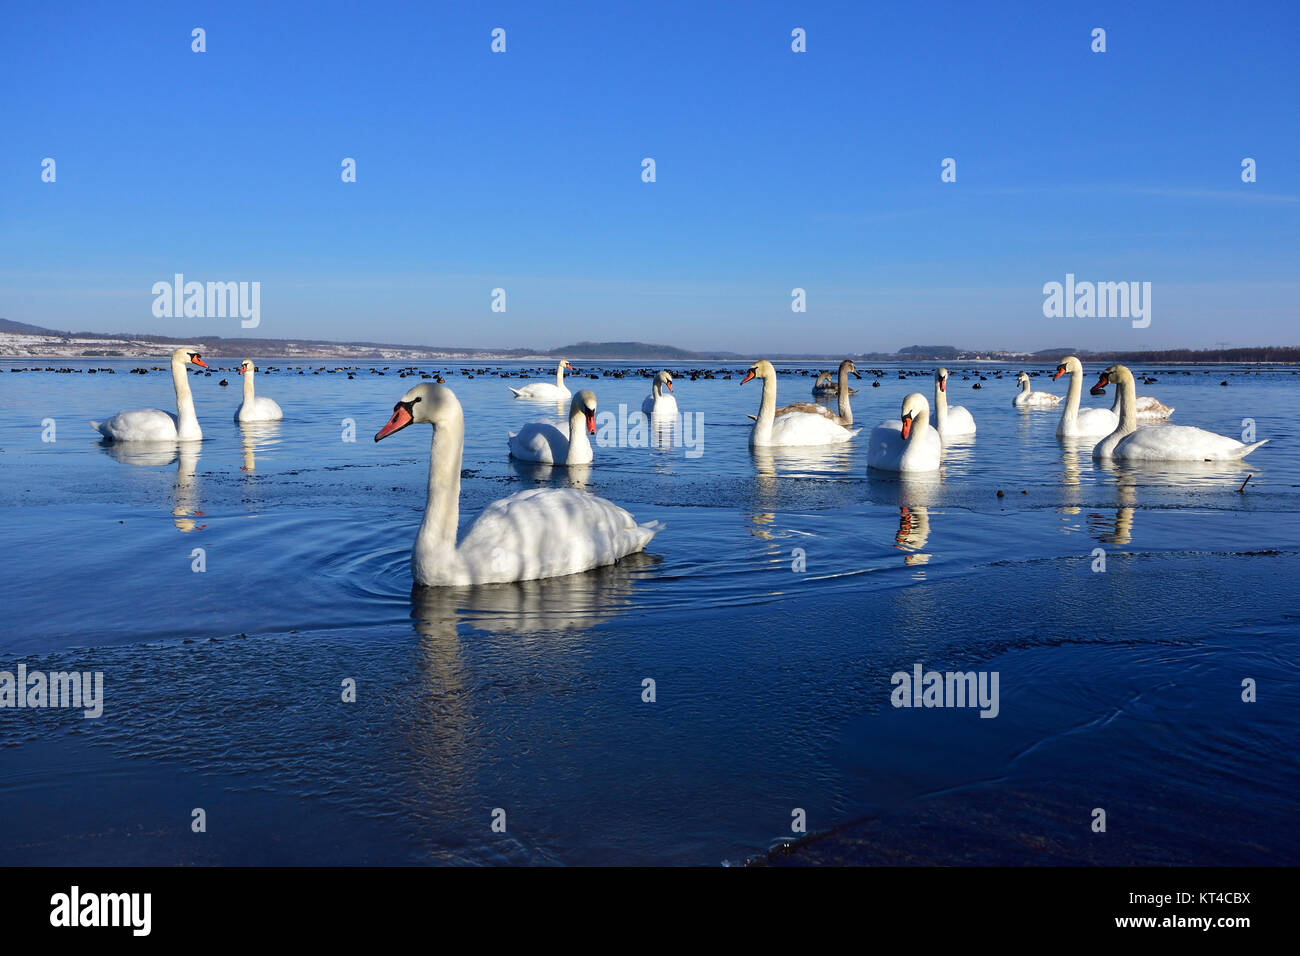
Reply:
x=546, y=606
x=552, y=476
x=185, y=492
x=914, y=496
x=255, y=436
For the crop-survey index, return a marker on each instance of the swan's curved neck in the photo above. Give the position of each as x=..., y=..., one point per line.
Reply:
x=1075, y=392
x=940, y=404
x=846, y=411
x=1024, y=385
x=579, y=444
x=1127, y=398
x=656, y=389
x=248, y=384
x=766, y=411
x=559, y=375
x=187, y=422
x=920, y=422
x=442, y=507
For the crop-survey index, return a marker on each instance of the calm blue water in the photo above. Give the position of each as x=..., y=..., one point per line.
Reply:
x=1119, y=690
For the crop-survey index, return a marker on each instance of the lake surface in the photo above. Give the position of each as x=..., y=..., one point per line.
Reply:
x=770, y=614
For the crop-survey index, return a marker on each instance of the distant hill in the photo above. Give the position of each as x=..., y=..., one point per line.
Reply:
x=634, y=351
x=23, y=339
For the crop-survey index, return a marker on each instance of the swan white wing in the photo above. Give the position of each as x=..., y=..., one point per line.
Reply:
x=1090, y=422
x=263, y=409
x=665, y=407
x=888, y=451
x=541, y=390
x=141, y=424
x=958, y=422
x=1180, y=443
x=548, y=532
x=1152, y=410
x=540, y=442
x=804, y=428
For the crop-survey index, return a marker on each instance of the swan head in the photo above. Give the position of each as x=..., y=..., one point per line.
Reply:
x=848, y=366
x=246, y=366
x=915, y=408
x=823, y=378
x=584, y=403
x=564, y=364
x=941, y=379
x=761, y=369
x=1022, y=378
x=665, y=378
x=1070, y=365
x=189, y=353
x=425, y=404
x=1116, y=373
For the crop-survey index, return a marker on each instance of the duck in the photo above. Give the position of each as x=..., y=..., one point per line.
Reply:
x=909, y=444
x=153, y=424
x=1128, y=442
x=539, y=533
x=801, y=424
x=255, y=408
x=1029, y=399
x=950, y=421
x=657, y=404
x=1076, y=422
x=548, y=444
x=545, y=391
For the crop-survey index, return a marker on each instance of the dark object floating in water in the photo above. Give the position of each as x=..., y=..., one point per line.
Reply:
x=1242, y=489
x=1000, y=493
x=223, y=383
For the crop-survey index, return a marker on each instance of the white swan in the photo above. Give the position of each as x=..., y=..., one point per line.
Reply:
x=949, y=422
x=255, y=408
x=909, y=444
x=1027, y=399
x=545, y=390
x=153, y=424
x=541, y=533
x=1148, y=408
x=800, y=424
x=657, y=404
x=845, y=413
x=550, y=445
x=1076, y=422
x=1160, y=442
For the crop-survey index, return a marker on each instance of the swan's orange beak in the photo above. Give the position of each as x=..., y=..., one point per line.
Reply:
x=748, y=376
x=1100, y=387
x=568, y=366
x=943, y=385
x=670, y=385
x=198, y=360
x=591, y=423
x=241, y=370
x=1060, y=370
x=907, y=426
x=401, y=418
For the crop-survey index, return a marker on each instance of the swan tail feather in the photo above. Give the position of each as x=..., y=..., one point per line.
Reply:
x=515, y=390
x=1247, y=449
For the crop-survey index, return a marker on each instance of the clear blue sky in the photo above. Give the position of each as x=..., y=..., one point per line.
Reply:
x=775, y=170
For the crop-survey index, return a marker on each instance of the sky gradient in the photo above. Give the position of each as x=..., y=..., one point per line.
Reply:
x=775, y=170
